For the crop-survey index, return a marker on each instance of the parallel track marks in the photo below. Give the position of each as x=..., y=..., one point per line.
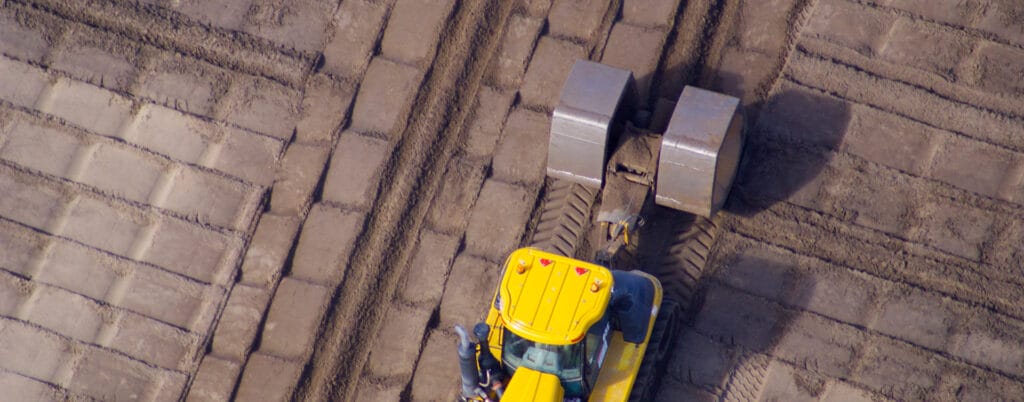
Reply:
x=680, y=262
x=434, y=131
x=747, y=381
x=564, y=218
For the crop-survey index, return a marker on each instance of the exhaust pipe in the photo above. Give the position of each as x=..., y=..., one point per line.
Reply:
x=489, y=366
x=467, y=365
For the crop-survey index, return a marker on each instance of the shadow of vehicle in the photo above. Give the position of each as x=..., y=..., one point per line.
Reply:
x=735, y=327
x=733, y=322
x=787, y=148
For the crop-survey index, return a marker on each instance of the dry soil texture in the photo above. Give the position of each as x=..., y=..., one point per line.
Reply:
x=272, y=200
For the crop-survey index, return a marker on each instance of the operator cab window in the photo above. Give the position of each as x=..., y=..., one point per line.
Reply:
x=564, y=361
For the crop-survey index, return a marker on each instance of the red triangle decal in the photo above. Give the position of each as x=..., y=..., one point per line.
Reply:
x=581, y=270
x=545, y=262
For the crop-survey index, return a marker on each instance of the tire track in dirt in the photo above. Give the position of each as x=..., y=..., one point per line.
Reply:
x=747, y=383
x=841, y=241
x=978, y=33
x=911, y=101
x=564, y=217
x=935, y=187
x=949, y=90
x=849, y=247
x=717, y=35
x=747, y=380
x=258, y=200
x=429, y=142
x=746, y=374
x=172, y=31
x=697, y=44
x=686, y=47
x=798, y=18
x=863, y=343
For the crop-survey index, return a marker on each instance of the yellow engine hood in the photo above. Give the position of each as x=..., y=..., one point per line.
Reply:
x=550, y=298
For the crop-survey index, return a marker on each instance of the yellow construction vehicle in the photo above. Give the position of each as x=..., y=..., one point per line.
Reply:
x=561, y=328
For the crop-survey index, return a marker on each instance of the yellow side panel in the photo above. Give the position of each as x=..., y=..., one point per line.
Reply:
x=531, y=385
x=622, y=361
x=619, y=371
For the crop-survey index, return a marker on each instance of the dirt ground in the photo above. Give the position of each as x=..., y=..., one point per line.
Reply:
x=257, y=199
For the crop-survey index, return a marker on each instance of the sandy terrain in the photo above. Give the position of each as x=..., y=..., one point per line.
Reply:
x=260, y=199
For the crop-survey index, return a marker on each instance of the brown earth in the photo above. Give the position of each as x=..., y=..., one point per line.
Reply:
x=297, y=200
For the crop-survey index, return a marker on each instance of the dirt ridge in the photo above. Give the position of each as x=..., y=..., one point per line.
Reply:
x=966, y=283
x=428, y=144
x=809, y=72
x=944, y=25
x=869, y=332
x=171, y=31
x=950, y=90
x=61, y=182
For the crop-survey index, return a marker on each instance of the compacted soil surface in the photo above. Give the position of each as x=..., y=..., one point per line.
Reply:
x=274, y=200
